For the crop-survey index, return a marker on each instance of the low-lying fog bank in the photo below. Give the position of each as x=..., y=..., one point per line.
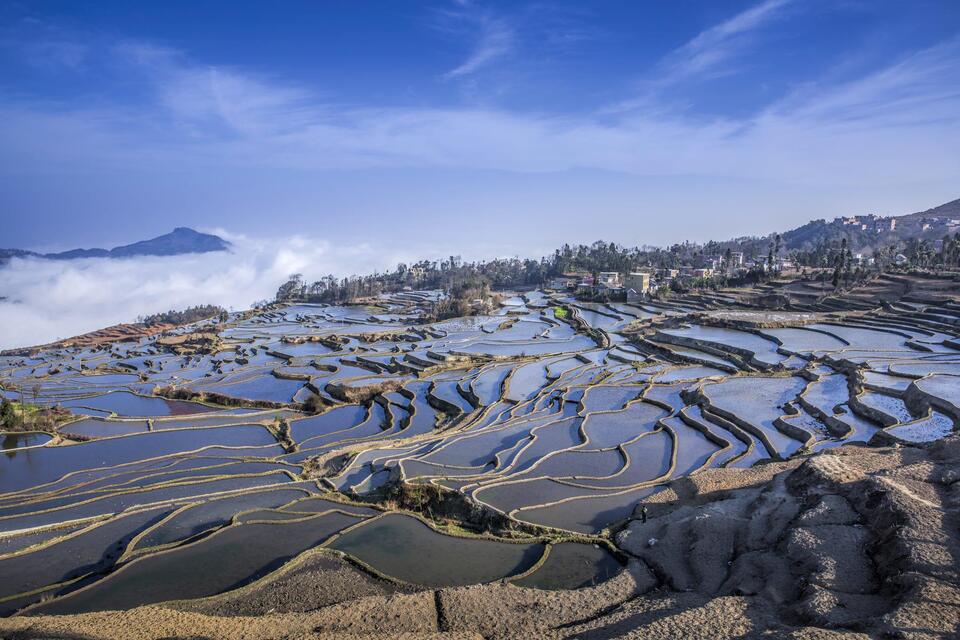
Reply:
x=45, y=300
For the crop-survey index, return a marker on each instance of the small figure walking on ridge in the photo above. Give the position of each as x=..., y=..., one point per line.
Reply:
x=643, y=514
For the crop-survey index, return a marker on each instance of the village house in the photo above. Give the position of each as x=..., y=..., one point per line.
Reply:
x=667, y=273
x=609, y=279
x=615, y=291
x=565, y=281
x=713, y=262
x=639, y=282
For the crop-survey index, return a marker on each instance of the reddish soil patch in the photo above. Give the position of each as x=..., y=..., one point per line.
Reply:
x=116, y=333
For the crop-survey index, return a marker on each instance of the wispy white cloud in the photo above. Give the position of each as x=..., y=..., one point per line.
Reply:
x=913, y=90
x=198, y=95
x=491, y=36
x=495, y=40
x=709, y=50
x=709, y=54
x=205, y=116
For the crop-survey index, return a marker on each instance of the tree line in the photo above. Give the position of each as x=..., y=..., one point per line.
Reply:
x=463, y=279
x=185, y=316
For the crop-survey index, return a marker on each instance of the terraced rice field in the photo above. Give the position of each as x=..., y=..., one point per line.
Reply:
x=365, y=432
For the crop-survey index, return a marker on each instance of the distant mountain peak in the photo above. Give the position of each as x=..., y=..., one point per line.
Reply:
x=180, y=241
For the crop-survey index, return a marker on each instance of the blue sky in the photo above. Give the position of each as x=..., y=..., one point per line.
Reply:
x=482, y=128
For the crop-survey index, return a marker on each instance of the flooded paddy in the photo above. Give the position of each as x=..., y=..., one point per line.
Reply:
x=11, y=441
x=588, y=514
x=227, y=559
x=101, y=428
x=33, y=467
x=405, y=548
x=529, y=418
x=571, y=566
x=762, y=349
x=892, y=407
x=805, y=340
x=36, y=515
x=609, y=429
x=693, y=448
x=933, y=427
x=11, y=544
x=198, y=517
x=760, y=401
x=863, y=338
x=124, y=403
x=90, y=550
x=333, y=421
x=263, y=387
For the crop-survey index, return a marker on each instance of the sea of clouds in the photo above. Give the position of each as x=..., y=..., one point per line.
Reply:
x=46, y=300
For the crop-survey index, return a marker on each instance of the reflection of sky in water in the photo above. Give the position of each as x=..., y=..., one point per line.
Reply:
x=578, y=465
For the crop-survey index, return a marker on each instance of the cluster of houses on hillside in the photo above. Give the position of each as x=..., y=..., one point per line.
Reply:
x=640, y=284
x=633, y=286
x=880, y=224
x=870, y=223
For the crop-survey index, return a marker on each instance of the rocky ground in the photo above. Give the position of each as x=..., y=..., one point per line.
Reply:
x=854, y=542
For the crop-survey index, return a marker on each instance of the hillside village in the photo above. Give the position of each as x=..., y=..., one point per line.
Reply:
x=841, y=252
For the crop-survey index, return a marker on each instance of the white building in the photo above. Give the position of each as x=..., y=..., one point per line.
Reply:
x=562, y=283
x=609, y=279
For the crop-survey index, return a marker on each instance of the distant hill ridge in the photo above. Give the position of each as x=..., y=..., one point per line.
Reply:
x=949, y=210
x=873, y=231
x=863, y=232
x=181, y=240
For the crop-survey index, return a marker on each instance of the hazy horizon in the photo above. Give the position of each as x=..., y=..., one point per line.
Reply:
x=475, y=249
x=536, y=123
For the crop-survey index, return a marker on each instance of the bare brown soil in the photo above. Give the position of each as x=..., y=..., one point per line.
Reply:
x=116, y=333
x=190, y=343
